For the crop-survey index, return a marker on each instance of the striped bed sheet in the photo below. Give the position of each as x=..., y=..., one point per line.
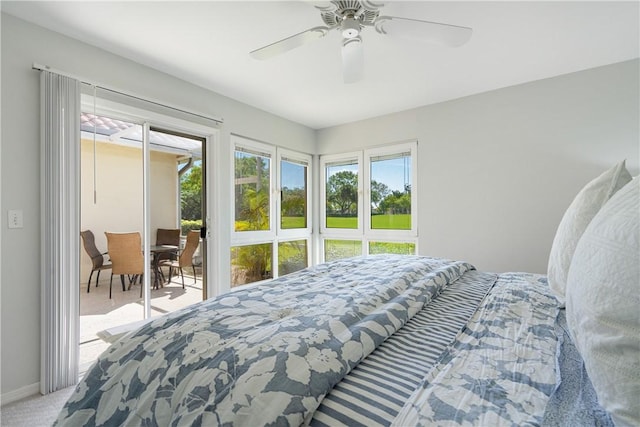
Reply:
x=375, y=391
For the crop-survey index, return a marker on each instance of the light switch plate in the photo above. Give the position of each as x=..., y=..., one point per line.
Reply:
x=15, y=218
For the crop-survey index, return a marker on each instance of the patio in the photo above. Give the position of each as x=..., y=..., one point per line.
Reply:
x=98, y=312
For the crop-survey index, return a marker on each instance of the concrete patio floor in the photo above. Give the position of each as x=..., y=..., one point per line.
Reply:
x=98, y=312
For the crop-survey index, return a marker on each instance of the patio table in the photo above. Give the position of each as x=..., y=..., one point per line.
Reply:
x=155, y=251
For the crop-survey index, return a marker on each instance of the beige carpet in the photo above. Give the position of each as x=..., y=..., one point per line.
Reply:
x=36, y=411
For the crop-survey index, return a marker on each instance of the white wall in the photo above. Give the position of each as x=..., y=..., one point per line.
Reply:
x=22, y=45
x=498, y=169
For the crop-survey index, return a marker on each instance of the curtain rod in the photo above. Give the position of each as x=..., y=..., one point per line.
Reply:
x=40, y=67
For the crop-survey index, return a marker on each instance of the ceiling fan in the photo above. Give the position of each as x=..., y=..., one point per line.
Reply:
x=350, y=17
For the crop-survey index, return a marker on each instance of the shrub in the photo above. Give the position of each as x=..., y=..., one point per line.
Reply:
x=187, y=224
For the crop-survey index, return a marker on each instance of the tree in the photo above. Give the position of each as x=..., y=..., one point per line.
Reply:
x=191, y=193
x=294, y=201
x=252, y=169
x=342, y=193
x=255, y=210
x=397, y=202
x=252, y=192
x=379, y=191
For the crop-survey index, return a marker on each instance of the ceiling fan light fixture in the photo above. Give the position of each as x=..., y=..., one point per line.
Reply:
x=352, y=60
x=350, y=28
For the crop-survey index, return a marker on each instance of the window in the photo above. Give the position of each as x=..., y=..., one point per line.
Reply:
x=293, y=210
x=292, y=256
x=390, y=192
x=295, y=197
x=336, y=249
x=341, y=194
x=392, y=248
x=251, y=263
x=369, y=202
x=252, y=173
x=271, y=225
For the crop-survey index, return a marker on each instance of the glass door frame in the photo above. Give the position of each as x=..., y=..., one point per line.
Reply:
x=148, y=127
x=204, y=230
x=150, y=119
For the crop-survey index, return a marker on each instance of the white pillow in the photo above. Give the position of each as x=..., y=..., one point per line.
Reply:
x=576, y=218
x=603, y=304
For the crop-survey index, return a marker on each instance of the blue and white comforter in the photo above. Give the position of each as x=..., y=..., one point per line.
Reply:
x=261, y=355
x=500, y=370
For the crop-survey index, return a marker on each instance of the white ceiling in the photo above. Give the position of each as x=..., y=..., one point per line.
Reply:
x=207, y=43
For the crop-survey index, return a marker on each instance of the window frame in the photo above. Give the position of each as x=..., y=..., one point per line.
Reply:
x=363, y=244
x=242, y=238
x=276, y=256
x=275, y=235
x=364, y=232
x=332, y=159
x=302, y=159
x=395, y=234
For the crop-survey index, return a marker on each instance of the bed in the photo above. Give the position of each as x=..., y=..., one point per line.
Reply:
x=388, y=340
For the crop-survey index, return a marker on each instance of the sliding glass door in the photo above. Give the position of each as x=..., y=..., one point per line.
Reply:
x=148, y=181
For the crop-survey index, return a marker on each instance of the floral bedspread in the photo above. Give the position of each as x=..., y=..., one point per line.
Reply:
x=500, y=369
x=261, y=355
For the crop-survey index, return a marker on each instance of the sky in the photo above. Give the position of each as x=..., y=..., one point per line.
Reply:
x=292, y=175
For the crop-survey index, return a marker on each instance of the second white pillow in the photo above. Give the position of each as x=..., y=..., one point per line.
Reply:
x=577, y=217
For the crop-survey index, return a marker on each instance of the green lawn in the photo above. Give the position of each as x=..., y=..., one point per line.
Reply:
x=379, y=222
x=391, y=222
x=293, y=222
x=342, y=222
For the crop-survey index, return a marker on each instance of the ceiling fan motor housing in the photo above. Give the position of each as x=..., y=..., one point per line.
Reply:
x=351, y=16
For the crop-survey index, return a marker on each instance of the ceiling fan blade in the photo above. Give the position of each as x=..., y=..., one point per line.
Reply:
x=321, y=5
x=352, y=60
x=289, y=43
x=434, y=32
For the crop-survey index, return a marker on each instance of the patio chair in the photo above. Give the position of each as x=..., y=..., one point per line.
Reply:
x=125, y=251
x=97, y=257
x=185, y=259
x=167, y=236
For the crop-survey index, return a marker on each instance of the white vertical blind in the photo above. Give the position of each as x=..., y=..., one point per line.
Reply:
x=60, y=225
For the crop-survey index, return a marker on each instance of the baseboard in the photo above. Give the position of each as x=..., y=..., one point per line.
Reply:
x=21, y=393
